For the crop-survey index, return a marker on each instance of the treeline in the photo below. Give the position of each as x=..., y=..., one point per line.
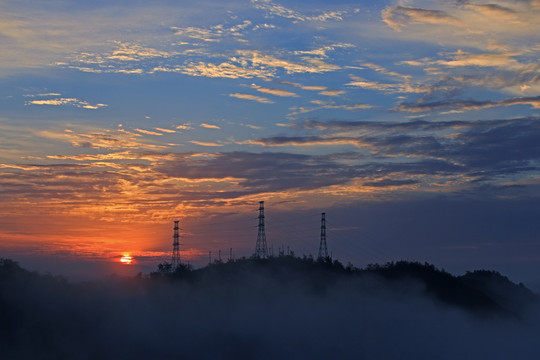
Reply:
x=478, y=291
x=266, y=309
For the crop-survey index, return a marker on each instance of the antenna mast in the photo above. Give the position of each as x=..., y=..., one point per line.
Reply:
x=261, y=250
x=175, y=261
x=323, y=251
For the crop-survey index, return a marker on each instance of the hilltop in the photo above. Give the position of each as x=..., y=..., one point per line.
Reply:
x=284, y=307
x=479, y=291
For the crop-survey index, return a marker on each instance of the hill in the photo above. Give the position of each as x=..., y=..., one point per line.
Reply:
x=283, y=307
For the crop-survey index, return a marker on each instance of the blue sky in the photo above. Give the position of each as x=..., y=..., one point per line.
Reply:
x=117, y=117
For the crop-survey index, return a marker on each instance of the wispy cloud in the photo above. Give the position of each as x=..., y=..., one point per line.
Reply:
x=187, y=126
x=63, y=101
x=309, y=64
x=273, y=91
x=206, y=143
x=214, y=33
x=224, y=70
x=467, y=105
x=209, y=126
x=169, y=131
x=297, y=110
x=260, y=99
x=274, y=9
x=398, y=16
x=332, y=92
x=386, y=87
x=103, y=139
x=147, y=132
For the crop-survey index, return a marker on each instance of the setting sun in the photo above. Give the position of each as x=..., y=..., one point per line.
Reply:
x=126, y=259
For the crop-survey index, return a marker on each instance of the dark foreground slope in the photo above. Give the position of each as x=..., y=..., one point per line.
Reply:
x=265, y=309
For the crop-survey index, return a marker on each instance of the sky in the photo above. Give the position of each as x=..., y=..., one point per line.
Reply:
x=414, y=125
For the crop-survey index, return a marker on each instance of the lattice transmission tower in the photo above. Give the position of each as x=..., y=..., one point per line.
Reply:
x=175, y=261
x=323, y=251
x=261, y=250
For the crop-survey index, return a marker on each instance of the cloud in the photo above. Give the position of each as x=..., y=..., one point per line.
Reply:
x=274, y=9
x=303, y=87
x=313, y=87
x=310, y=65
x=124, y=58
x=462, y=58
x=254, y=127
x=467, y=105
x=323, y=51
x=323, y=105
x=479, y=149
x=205, y=143
x=398, y=16
x=223, y=70
x=209, y=126
x=147, y=132
x=385, y=71
x=332, y=92
x=272, y=91
x=169, y=131
x=42, y=95
x=64, y=101
x=389, y=88
x=103, y=139
x=197, y=33
x=260, y=99
x=132, y=52
x=494, y=12
x=304, y=141
x=185, y=127
x=214, y=33
x=122, y=175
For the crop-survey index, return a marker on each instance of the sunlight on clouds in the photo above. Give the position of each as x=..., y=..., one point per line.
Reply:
x=464, y=105
x=328, y=106
x=209, y=126
x=224, y=70
x=311, y=65
x=332, y=92
x=205, y=143
x=278, y=10
x=392, y=100
x=63, y=101
x=184, y=127
x=169, y=131
x=108, y=139
x=260, y=99
x=276, y=92
x=147, y=132
x=398, y=16
x=385, y=87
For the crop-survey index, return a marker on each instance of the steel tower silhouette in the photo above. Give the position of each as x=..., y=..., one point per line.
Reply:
x=175, y=261
x=323, y=251
x=261, y=250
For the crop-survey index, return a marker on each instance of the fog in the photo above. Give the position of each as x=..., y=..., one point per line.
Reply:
x=250, y=315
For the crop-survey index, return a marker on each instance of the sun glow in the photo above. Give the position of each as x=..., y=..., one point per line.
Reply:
x=126, y=259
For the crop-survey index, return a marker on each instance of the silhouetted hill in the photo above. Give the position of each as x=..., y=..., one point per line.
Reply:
x=510, y=296
x=480, y=291
x=284, y=307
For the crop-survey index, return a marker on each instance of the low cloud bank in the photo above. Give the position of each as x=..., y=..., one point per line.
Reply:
x=250, y=311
